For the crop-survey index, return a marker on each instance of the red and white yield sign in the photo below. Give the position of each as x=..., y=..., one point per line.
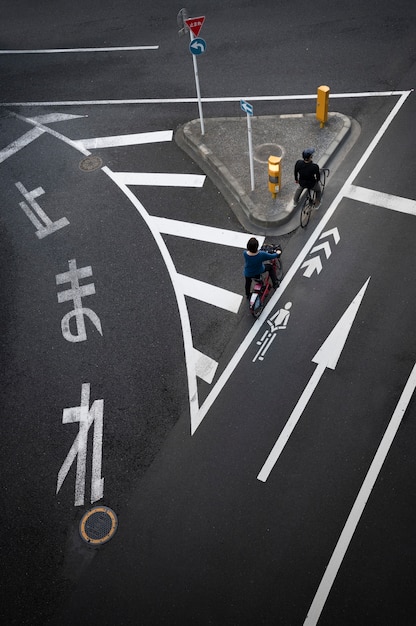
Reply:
x=195, y=24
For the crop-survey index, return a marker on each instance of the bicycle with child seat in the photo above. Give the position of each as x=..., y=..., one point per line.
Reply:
x=310, y=200
x=262, y=284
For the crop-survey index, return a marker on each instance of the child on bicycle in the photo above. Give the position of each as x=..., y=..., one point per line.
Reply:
x=307, y=176
x=254, y=264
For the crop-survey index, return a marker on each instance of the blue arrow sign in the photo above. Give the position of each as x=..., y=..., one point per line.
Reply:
x=246, y=107
x=198, y=45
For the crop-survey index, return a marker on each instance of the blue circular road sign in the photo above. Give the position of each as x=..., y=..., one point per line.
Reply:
x=198, y=45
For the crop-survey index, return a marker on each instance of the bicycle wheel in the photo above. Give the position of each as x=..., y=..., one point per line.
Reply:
x=257, y=307
x=323, y=174
x=305, y=212
x=279, y=269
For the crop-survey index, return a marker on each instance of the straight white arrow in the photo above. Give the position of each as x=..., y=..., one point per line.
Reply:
x=327, y=356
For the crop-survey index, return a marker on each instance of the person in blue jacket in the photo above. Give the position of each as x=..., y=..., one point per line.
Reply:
x=254, y=264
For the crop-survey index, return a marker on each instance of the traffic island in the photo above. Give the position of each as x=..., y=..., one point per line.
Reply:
x=223, y=154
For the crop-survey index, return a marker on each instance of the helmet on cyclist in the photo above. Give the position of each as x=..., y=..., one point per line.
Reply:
x=308, y=152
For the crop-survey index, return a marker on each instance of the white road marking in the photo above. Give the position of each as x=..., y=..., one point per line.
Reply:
x=85, y=416
x=20, y=143
x=368, y=94
x=180, y=297
x=312, y=265
x=205, y=367
x=126, y=140
x=46, y=129
x=51, y=118
x=377, y=198
x=48, y=227
x=161, y=180
x=323, y=246
x=62, y=50
x=210, y=293
x=33, y=134
x=326, y=357
x=250, y=337
x=360, y=503
x=203, y=233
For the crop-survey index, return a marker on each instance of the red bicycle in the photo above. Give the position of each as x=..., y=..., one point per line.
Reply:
x=262, y=285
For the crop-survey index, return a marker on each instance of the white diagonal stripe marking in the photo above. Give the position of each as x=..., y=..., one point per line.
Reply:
x=378, y=198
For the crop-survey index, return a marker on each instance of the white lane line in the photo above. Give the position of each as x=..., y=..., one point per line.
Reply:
x=61, y=50
x=368, y=94
x=203, y=233
x=31, y=135
x=210, y=293
x=378, y=198
x=46, y=129
x=359, y=504
x=161, y=180
x=126, y=140
x=294, y=268
x=20, y=143
x=205, y=367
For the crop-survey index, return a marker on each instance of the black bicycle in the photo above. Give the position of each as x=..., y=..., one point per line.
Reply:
x=310, y=200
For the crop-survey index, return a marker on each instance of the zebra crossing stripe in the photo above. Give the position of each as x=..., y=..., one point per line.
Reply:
x=160, y=180
x=210, y=293
x=378, y=198
x=200, y=232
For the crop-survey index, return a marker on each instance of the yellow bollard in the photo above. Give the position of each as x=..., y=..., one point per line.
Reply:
x=274, y=175
x=322, y=101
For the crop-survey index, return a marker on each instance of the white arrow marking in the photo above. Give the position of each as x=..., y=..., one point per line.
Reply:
x=197, y=44
x=312, y=265
x=323, y=246
x=334, y=232
x=327, y=356
x=359, y=504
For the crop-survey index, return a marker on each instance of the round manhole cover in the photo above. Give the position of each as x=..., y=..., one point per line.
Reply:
x=91, y=163
x=98, y=525
x=263, y=151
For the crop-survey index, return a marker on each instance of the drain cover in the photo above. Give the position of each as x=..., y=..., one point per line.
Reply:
x=98, y=525
x=264, y=150
x=91, y=163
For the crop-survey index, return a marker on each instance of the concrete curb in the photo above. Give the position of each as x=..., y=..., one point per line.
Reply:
x=250, y=214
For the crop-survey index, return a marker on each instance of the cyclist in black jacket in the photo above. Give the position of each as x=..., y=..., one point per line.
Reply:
x=307, y=176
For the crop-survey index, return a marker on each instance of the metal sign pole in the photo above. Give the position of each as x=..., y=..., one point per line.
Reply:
x=198, y=91
x=250, y=151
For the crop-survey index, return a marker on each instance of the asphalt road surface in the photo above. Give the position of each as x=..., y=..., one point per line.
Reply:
x=102, y=307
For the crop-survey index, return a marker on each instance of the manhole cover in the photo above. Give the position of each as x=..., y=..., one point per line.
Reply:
x=263, y=151
x=91, y=163
x=98, y=525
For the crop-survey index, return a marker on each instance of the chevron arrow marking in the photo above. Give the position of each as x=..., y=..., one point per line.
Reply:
x=323, y=246
x=312, y=265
